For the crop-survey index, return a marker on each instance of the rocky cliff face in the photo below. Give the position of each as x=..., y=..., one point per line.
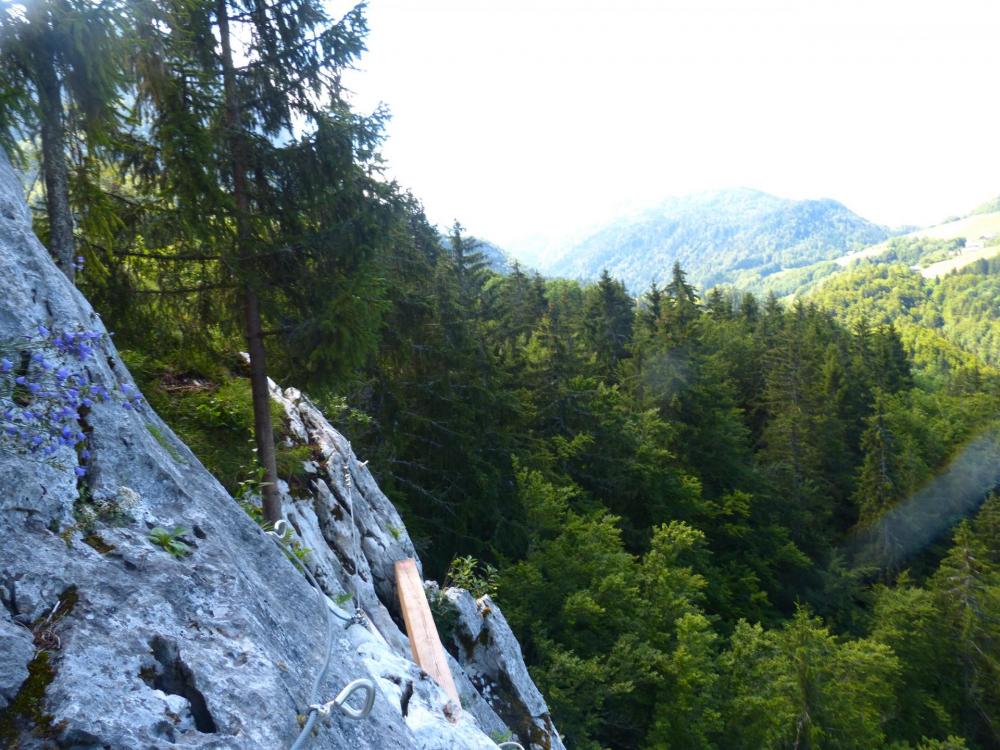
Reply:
x=109, y=641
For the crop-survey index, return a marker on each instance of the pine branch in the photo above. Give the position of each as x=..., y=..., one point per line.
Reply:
x=163, y=256
x=187, y=290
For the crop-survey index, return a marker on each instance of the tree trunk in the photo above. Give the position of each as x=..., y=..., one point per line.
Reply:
x=54, y=167
x=262, y=429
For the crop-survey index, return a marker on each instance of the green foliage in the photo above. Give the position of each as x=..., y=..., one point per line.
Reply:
x=444, y=612
x=793, y=281
x=63, y=83
x=906, y=618
x=950, y=743
x=800, y=687
x=920, y=251
x=499, y=737
x=214, y=418
x=290, y=461
x=613, y=634
x=469, y=574
x=170, y=540
x=967, y=589
x=950, y=325
x=294, y=550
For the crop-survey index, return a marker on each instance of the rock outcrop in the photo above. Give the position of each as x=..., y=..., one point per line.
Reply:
x=490, y=657
x=109, y=641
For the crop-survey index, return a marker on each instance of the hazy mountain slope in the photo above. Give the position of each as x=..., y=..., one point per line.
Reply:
x=988, y=207
x=934, y=252
x=976, y=232
x=728, y=236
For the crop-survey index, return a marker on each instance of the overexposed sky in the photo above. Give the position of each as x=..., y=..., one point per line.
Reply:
x=528, y=118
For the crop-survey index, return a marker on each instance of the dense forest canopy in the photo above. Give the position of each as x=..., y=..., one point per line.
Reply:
x=719, y=521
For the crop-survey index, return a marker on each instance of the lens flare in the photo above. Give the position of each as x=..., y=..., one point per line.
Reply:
x=950, y=496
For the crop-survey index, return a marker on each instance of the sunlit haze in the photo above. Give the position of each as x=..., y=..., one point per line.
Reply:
x=532, y=119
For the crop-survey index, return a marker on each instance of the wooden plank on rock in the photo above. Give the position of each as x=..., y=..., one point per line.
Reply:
x=428, y=652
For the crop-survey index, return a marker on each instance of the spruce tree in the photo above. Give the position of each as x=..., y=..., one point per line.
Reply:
x=683, y=307
x=262, y=161
x=609, y=315
x=469, y=265
x=652, y=307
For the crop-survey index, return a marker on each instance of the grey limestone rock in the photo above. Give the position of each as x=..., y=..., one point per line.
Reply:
x=16, y=650
x=490, y=656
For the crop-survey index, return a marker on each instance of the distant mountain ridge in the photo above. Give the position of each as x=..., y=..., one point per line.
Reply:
x=733, y=236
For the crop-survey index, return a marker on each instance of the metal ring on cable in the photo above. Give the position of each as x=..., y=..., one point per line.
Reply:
x=276, y=530
x=517, y=745
x=341, y=700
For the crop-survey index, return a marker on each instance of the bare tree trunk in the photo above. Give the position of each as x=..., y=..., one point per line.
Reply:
x=262, y=429
x=54, y=167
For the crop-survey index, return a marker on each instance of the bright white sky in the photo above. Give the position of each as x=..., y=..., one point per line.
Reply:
x=540, y=118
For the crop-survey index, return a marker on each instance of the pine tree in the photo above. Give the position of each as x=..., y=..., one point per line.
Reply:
x=800, y=688
x=837, y=451
x=718, y=304
x=907, y=618
x=749, y=308
x=987, y=527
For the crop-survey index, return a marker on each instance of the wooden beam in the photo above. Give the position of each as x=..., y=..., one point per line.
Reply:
x=428, y=652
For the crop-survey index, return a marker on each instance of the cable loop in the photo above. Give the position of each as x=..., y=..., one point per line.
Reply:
x=281, y=527
x=340, y=701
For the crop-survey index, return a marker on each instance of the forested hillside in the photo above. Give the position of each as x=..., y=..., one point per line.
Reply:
x=714, y=521
x=736, y=236
x=951, y=324
x=933, y=252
